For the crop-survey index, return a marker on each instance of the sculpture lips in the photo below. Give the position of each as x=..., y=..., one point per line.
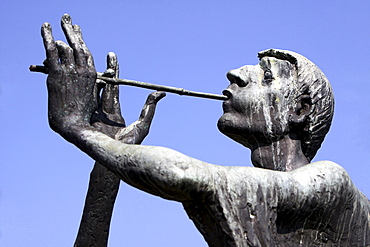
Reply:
x=227, y=93
x=226, y=105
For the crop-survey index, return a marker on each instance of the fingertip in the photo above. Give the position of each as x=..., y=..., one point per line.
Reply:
x=161, y=95
x=46, y=34
x=45, y=27
x=111, y=60
x=158, y=94
x=66, y=19
x=111, y=54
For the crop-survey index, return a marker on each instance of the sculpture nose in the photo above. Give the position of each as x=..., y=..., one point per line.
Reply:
x=236, y=76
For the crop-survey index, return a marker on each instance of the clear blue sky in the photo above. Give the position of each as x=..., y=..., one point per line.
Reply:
x=189, y=44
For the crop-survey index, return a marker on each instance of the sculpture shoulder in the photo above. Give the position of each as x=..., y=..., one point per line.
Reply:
x=312, y=169
x=329, y=177
x=325, y=167
x=322, y=166
x=321, y=174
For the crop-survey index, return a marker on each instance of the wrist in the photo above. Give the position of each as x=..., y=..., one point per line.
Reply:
x=71, y=132
x=66, y=124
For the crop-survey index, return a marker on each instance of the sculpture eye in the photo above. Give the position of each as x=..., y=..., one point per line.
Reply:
x=268, y=75
x=241, y=83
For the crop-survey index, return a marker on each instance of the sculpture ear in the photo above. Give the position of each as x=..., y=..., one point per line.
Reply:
x=301, y=110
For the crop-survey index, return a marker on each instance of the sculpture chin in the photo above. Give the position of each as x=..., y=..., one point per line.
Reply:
x=229, y=126
x=249, y=133
x=223, y=124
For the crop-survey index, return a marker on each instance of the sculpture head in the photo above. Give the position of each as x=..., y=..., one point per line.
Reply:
x=285, y=95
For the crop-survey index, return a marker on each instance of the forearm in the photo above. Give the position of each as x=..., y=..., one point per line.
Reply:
x=98, y=209
x=157, y=170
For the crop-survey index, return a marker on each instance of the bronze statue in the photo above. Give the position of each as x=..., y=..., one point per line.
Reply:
x=281, y=109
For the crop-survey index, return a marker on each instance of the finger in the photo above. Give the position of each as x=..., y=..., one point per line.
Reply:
x=88, y=56
x=148, y=110
x=96, y=92
x=112, y=70
x=73, y=40
x=110, y=99
x=110, y=95
x=153, y=98
x=65, y=53
x=50, y=46
x=159, y=95
x=112, y=63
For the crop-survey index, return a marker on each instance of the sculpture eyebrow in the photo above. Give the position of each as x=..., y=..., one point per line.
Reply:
x=265, y=64
x=279, y=55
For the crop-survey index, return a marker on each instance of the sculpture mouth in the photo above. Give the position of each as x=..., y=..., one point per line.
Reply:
x=227, y=93
x=226, y=106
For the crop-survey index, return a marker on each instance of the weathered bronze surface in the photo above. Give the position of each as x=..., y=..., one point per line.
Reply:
x=280, y=108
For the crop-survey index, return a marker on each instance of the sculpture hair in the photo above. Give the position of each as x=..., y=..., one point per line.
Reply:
x=311, y=81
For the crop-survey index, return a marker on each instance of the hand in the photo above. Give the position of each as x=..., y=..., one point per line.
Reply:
x=108, y=119
x=71, y=86
x=103, y=185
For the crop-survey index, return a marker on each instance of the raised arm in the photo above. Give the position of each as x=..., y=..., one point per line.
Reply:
x=104, y=184
x=73, y=99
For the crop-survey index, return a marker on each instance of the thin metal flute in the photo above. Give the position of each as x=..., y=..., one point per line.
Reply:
x=180, y=91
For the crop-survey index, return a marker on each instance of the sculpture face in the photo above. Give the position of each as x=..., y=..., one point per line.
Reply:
x=261, y=98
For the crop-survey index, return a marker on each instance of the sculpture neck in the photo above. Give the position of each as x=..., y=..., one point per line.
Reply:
x=281, y=155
